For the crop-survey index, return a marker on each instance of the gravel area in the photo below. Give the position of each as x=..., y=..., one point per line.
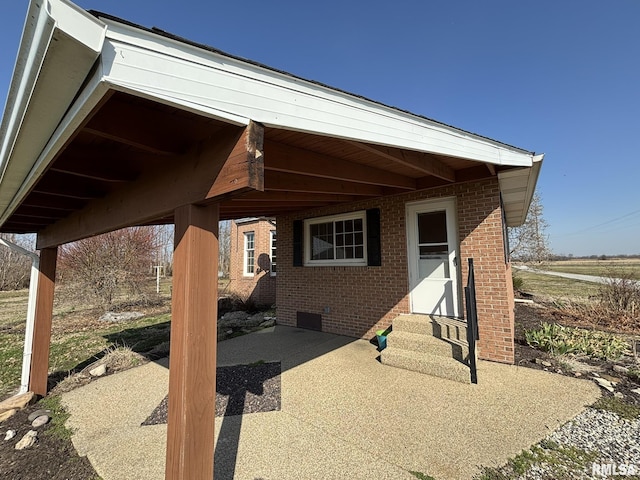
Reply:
x=607, y=437
x=240, y=389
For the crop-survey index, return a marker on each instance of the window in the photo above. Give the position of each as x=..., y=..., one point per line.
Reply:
x=336, y=240
x=249, y=254
x=273, y=253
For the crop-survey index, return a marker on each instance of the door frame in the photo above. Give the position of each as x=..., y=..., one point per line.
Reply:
x=449, y=204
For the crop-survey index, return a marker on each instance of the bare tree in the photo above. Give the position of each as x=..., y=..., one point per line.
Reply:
x=529, y=242
x=225, y=247
x=100, y=267
x=15, y=268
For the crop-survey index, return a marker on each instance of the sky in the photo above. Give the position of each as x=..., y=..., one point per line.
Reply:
x=555, y=77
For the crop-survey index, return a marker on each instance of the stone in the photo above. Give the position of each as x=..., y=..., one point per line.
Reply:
x=40, y=421
x=577, y=374
x=233, y=320
x=9, y=435
x=17, y=402
x=619, y=395
x=606, y=384
x=268, y=323
x=120, y=316
x=542, y=362
x=636, y=391
x=620, y=369
x=99, y=371
x=32, y=416
x=7, y=414
x=27, y=441
x=611, y=379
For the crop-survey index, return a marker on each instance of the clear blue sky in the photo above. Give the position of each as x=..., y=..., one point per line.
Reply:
x=555, y=77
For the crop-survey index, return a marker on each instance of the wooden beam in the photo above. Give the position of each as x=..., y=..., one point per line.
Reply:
x=58, y=203
x=289, y=182
x=419, y=161
x=192, y=367
x=286, y=158
x=478, y=172
x=293, y=197
x=229, y=163
x=43, y=318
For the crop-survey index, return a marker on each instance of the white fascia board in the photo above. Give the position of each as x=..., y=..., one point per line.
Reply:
x=185, y=74
x=517, y=187
x=59, y=46
x=93, y=92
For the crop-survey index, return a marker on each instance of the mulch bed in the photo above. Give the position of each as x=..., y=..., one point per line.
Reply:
x=240, y=389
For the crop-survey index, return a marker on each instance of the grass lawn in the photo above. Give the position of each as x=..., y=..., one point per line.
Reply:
x=552, y=287
x=600, y=268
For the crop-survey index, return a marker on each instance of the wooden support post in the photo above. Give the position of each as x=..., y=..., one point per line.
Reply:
x=42, y=324
x=192, y=368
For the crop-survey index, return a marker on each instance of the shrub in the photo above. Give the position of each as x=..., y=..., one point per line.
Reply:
x=620, y=293
x=518, y=283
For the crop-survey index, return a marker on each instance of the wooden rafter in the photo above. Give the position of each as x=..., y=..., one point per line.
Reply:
x=286, y=158
x=289, y=182
x=418, y=161
x=229, y=163
x=294, y=197
x=94, y=165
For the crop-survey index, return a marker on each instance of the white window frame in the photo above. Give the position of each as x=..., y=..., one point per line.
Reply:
x=245, y=264
x=273, y=235
x=359, y=215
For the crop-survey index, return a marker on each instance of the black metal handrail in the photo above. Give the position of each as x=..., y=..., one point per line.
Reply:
x=472, y=321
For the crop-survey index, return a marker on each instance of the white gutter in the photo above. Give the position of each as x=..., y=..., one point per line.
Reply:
x=31, y=312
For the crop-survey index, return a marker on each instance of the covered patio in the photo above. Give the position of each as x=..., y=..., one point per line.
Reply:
x=110, y=125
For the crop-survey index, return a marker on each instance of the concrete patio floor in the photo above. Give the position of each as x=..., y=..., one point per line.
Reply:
x=343, y=415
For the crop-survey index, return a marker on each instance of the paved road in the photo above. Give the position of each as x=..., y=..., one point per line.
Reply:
x=572, y=276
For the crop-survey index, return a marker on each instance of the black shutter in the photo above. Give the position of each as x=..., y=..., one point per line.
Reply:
x=298, y=246
x=374, y=251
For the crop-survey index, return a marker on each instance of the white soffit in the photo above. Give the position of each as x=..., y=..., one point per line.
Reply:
x=236, y=90
x=517, y=187
x=59, y=46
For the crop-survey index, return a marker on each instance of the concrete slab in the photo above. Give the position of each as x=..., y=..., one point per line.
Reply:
x=344, y=415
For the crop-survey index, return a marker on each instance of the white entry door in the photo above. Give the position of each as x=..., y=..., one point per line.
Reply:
x=433, y=264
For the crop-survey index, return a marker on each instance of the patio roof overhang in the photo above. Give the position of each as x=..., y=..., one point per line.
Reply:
x=110, y=124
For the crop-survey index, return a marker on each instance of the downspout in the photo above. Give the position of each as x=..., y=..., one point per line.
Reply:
x=31, y=312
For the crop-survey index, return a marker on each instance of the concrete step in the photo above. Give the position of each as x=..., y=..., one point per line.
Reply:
x=439, y=327
x=418, y=342
x=425, y=363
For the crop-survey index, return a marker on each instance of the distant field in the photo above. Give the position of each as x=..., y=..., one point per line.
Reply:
x=601, y=268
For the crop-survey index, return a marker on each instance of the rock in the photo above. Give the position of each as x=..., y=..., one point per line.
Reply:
x=620, y=369
x=40, y=421
x=606, y=384
x=27, y=441
x=9, y=435
x=17, y=402
x=611, y=379
x=120, y=316
x=268, y=323
x=636, y=391
x=542, y=362
x=233, y=320
x=577, y=374
x=37, y=414
x=99, y=371
x=619, y=395
x=7, y=414
x=255, y=320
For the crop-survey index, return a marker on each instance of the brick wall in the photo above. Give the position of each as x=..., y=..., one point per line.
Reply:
x=261, y=286
x=356, y=301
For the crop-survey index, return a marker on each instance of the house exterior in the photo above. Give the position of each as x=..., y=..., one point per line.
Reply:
x=253, y=264
x=378, y=209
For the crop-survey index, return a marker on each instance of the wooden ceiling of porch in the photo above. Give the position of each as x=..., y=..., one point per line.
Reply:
x=127, y=138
